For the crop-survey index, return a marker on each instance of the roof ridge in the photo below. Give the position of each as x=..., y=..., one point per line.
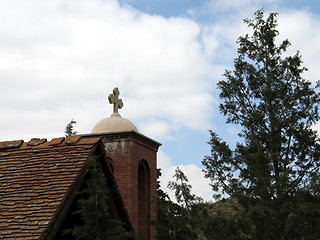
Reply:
x=43, y=143
x=36, y=141
x=10, y=144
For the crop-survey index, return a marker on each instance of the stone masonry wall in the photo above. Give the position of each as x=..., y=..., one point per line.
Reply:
x=127, y=151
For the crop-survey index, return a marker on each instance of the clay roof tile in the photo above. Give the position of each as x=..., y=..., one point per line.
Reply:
x=72, y=139
x=36, y=177
x=10, y=144
x=56, y=141
x=36, y=141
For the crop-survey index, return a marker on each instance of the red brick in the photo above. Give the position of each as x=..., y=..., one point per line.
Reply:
x=38, y=175
x=127, y=151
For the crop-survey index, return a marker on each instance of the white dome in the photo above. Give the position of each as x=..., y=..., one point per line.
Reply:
x=114, y=123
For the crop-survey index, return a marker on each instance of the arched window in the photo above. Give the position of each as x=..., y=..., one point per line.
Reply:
x=143, y=200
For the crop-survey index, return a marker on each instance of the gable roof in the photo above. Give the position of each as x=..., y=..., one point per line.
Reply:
x=37, y=178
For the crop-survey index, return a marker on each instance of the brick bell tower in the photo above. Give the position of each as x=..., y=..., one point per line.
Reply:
x=133, y=157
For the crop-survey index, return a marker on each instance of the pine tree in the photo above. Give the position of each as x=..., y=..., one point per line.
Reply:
x=69, y=128
x=274, y=171
x=94, y=210
x=182, y=190
x=178, y=220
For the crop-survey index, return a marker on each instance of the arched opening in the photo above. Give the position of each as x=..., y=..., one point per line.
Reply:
x=143, y=200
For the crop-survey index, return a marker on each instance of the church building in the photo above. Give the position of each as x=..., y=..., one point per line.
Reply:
x=40, y=180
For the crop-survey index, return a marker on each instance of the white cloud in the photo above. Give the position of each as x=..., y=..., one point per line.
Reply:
x=59, y=59
x=62, y=55
x=66, y=56
x=301, y=29
x=200, y=185
x=156, y=129
x=164, y=161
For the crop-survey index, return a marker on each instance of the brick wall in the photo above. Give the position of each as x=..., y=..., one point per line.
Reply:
x=134, y=159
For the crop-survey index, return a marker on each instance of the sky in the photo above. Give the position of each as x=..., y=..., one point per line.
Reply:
x=60, y=59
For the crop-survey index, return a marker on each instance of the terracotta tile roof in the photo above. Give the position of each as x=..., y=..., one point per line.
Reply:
x=35, y=178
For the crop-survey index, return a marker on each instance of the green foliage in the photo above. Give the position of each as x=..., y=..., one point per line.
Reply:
x=226, y=220
x=94, y=209
x=279, y=157
x=182, y=190
x=191, y=218
x=177, y=221
x=69, y=128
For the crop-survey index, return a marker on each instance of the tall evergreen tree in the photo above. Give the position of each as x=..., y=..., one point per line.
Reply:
x=274, y=170
x=94, y=210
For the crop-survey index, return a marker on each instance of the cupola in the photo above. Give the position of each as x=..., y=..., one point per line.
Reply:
x=114, y=123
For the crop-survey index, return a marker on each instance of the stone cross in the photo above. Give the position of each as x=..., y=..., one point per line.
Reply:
x=114, y=99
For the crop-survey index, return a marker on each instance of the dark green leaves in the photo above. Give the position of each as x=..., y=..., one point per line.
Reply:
x=278, y=157
x=95, y=209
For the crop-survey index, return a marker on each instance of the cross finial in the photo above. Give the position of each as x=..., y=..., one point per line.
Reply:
x=114, y=99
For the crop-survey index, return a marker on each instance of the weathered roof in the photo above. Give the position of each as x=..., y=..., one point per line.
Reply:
x=35, y=179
